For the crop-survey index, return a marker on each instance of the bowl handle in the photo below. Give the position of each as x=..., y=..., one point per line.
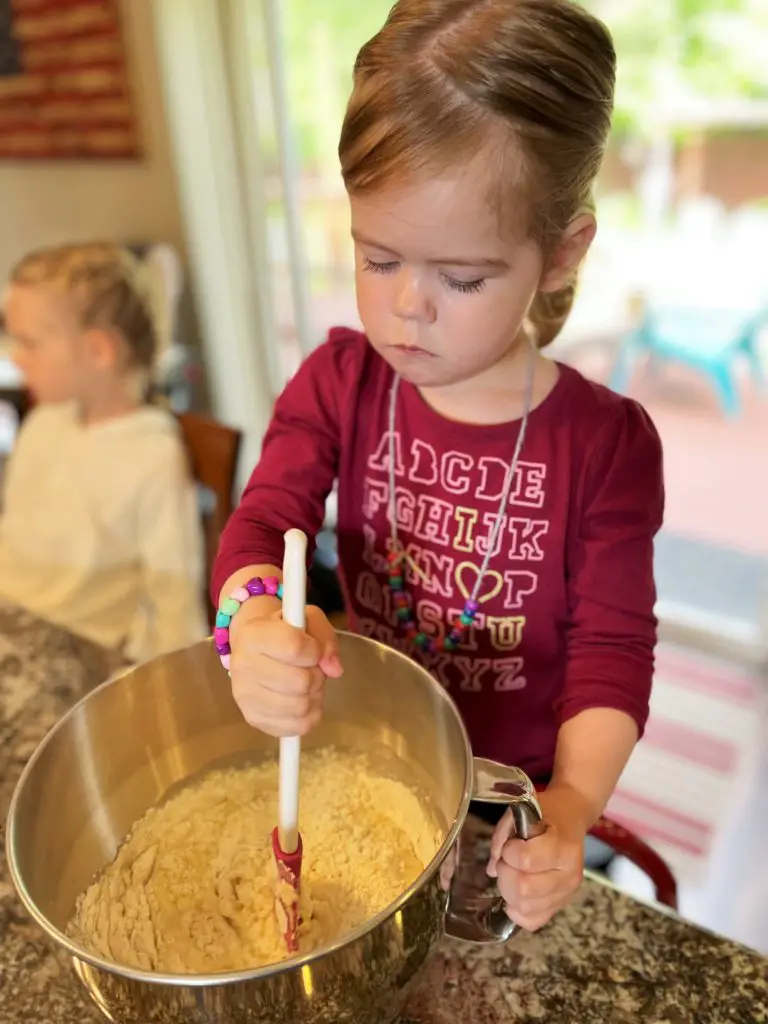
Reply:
x=483, y=919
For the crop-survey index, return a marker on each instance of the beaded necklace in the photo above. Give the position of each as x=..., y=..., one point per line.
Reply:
x=398, y=555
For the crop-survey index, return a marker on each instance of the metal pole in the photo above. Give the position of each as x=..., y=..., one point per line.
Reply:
x=299, y=270
x=241, y=23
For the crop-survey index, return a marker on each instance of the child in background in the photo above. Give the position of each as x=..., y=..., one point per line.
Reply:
x=99, y=530
x=496, y=510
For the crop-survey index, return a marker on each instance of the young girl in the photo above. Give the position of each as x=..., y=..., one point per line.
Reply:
x=99, y=529
x=496, y=509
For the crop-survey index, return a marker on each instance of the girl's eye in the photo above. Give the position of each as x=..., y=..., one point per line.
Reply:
x=390, y=266
x=379, y=268
x=465, y=287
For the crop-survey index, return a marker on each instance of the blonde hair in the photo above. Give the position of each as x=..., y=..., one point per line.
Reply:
x=444, y=78
x=109, y=286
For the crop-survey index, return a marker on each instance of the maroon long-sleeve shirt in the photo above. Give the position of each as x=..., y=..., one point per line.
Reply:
x=566, y=617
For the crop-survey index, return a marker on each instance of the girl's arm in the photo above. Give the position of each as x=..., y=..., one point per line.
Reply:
x=298, y=465
x=540, y=877
x=592, y=751
x=609, y=665
x=605, y=702
x=611, y=590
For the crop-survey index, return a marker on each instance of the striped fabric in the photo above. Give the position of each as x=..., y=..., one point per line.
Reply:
x=63, y=83
x=699, y=750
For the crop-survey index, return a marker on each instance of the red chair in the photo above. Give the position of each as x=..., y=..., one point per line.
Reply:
x=626, y=844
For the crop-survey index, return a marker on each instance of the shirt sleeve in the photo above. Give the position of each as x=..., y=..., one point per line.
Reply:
x=299, y=461
x=612, y=629
x=171, y=554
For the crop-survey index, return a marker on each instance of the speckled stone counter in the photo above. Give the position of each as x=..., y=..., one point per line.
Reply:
x=606, y=960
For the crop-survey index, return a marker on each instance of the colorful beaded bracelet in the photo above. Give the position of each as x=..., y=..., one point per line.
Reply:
x=256, y=587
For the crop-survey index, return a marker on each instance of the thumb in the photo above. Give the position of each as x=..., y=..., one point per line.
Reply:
x=321, y=630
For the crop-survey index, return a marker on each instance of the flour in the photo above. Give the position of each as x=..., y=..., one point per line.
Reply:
x=192, y=889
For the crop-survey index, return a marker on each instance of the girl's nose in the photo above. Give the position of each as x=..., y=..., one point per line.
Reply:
x=411, y=299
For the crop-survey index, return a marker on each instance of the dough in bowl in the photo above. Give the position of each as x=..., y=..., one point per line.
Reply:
x=191, y=890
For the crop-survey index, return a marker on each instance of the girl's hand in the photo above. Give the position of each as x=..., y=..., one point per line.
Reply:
x=541, y=876
x=278, y=672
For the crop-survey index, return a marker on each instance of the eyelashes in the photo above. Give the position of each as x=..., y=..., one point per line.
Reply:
x=464, y=287
x=379, y=268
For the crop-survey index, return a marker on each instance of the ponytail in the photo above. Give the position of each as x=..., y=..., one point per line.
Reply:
x=549, y=312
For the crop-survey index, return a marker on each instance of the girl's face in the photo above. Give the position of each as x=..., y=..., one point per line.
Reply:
x=61, y=360
x=441, y=293
x=46, y=342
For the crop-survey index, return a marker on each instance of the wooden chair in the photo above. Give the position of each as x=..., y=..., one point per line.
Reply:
x=213, y=452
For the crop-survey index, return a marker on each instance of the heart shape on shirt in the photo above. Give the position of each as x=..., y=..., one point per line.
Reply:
x=492, y=582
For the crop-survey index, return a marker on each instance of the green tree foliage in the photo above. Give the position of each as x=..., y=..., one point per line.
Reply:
x=682, y=52
x=322, y=40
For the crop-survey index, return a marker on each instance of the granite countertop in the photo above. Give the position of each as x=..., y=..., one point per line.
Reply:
x=606, y=960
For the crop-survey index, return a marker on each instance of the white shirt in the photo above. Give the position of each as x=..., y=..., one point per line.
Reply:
x=100, y=530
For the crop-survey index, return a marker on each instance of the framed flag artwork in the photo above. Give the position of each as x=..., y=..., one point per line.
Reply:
x=64, y=89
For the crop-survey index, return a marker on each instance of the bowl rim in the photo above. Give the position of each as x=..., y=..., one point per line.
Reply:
x=79, y=952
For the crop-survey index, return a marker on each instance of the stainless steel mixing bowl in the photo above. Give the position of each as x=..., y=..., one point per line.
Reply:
x=121, y=749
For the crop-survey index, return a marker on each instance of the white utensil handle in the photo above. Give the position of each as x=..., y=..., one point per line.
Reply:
x=294, y=613
x=295, y=579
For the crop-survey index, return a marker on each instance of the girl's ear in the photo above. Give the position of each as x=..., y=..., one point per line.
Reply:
x=569, y=254
x=103, y=347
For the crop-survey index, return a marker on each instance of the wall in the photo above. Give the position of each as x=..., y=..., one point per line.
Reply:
x=50, y=202
x=732, y=167
x=735, y=168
